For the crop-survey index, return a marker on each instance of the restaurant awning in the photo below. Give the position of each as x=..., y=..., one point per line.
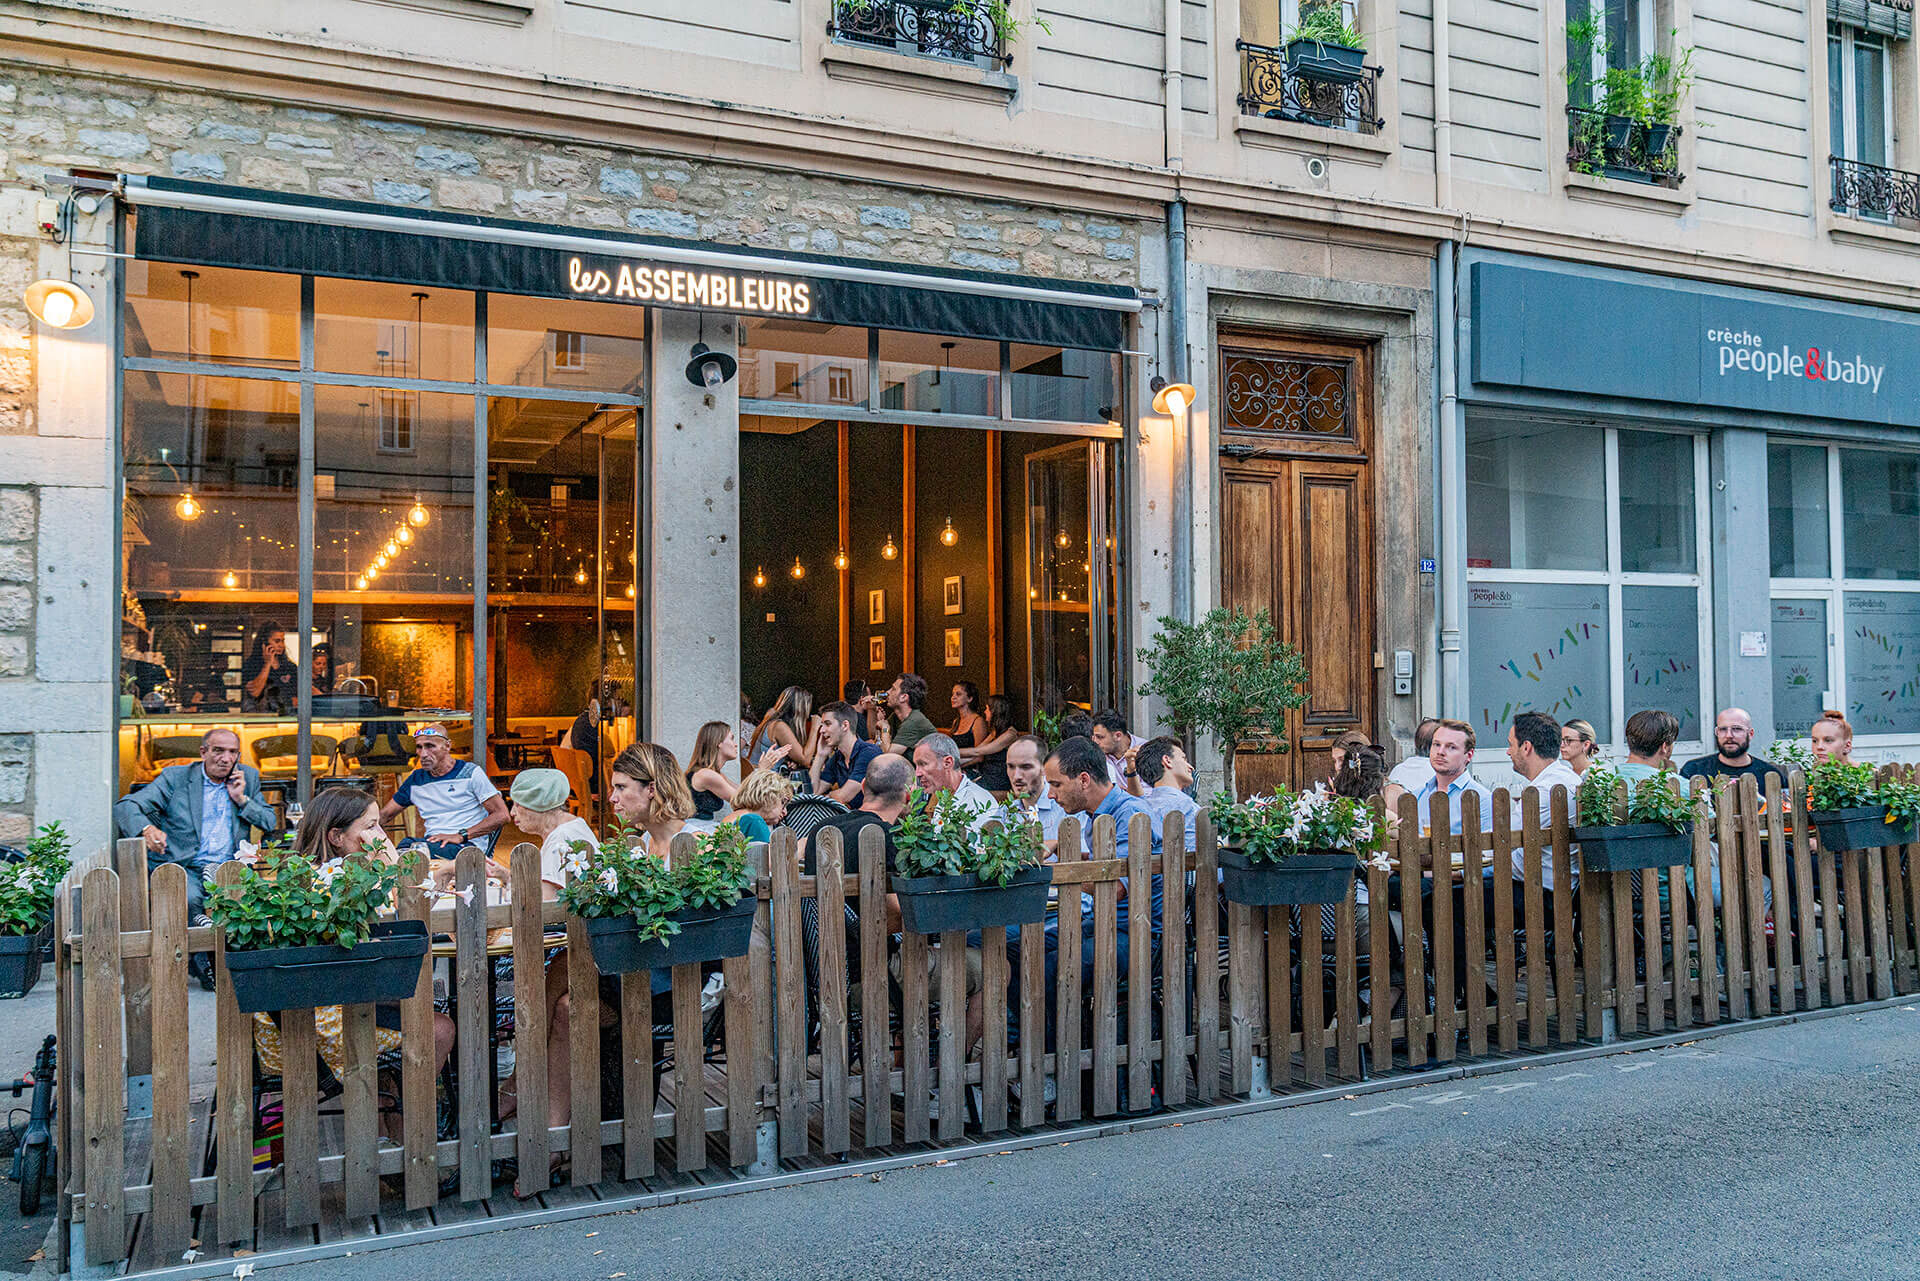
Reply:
x=203, y=224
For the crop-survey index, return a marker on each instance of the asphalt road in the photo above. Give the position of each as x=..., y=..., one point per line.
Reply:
x=1786, y=1152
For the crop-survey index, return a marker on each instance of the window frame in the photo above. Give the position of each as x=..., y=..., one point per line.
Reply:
x=1845, y=93
x=1643, y=31
x=1835, y=586
x=1617, y=580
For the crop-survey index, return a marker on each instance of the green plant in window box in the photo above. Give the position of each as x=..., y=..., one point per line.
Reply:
x=1290, y=848
x=1854, y=810
x=1006, y=27
x=26, y=907
x=1622, y=826
x=947, y=876
x=1325, y=47
x=642, y=914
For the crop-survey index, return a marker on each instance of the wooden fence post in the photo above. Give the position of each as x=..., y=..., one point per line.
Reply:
x=104, y=1105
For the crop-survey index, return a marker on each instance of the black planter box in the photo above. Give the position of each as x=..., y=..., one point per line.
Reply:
x=936, y=904
x=1862, y=828
x=1633, y=847
x=385, y=968
x=1319, y=877
x=1333, y=64
x=705, y=935
x=20, y=963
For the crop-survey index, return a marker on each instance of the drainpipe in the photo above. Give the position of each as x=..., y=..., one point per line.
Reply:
x=1182, y=427
x=1172, y=80
x=1442, y=106
x=1449, y=581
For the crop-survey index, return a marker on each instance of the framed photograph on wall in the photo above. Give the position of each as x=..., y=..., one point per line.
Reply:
x=954, y=597
x=956, y=644
x=876, y=607
x=876, y=653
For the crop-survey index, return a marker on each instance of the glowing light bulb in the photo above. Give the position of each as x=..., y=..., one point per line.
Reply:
x=372, y=573
x=759, y=576
x=403, y=535
x=580, y=576
x=889, y=551
x=391, y=550
x=186, y=508
x=629, y=591
x=418, y=515
x=798, y=570
x=58, y=308
x=360, y=583
x=380, y=561
x=1062, y=539
x=949, y=535
x=840, y=559
x=231, y=581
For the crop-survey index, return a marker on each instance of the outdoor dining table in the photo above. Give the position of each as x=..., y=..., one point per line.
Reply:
x=446, y=949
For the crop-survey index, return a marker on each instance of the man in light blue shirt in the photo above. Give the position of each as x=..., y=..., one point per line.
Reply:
x=1163, y=766
x=1030, y=792
x=1452, y=759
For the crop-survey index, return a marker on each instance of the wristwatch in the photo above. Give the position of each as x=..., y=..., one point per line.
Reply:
x=463, y=836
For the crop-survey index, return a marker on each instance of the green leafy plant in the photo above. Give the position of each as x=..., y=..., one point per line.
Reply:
x=937, y=839
x=1272, y=829
x=1047, y=726
x=1624, y=93
x=1902, y=800
x=1659, y=798
x=1228, y=674
x=1793, y=752
x=1327, y=24
x=1582, y=34
x=619, y=878
x=283, y=900
x=26, y=887
x=1667, y=77
x=1836, y=785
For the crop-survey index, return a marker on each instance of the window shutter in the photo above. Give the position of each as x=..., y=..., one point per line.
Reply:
x=1882, y=17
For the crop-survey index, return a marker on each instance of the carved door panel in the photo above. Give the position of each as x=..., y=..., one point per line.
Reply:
x=1296, y=537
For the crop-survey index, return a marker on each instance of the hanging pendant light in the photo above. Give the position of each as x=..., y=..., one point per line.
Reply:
x=187, y=508
x=403, y=535
x=798, y=570
x=360, y=583
x=759, y=576
x=840, y=559
x=418, y=515
x=889, y=551
x=580, y=576
x=629, y=591
x=391, y=550
x=949, y=535
x=231, y=581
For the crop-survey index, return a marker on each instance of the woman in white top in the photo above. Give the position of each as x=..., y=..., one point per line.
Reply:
x=540, y=810
x=1578, y=747
x=649, y=794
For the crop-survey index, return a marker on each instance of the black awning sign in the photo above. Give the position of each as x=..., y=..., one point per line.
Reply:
x=676, y=286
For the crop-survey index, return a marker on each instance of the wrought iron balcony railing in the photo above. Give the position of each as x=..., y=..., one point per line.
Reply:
x=951, y=30
x=1272, y=86
x=1608, y=146
x=1876, y=192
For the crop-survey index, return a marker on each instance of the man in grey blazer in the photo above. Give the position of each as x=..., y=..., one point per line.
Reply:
x=196, y=816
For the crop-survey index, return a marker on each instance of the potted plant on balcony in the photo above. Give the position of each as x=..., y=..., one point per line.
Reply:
x=1293, y=848
x=1854, y=811
x=26, y=908
x=1325, y=47
x=1667, y=77
x=1658, y=826
x=1623, y=101
x=643, y=915
x=948, y=877
x=298, y=935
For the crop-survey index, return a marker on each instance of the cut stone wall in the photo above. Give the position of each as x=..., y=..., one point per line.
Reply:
x=59, y=122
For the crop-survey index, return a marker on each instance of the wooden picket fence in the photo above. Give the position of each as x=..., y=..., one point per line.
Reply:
x=805, y=1067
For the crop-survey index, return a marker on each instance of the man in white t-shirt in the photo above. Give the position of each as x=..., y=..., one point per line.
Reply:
x=936, y=768
x=458, y=804
x=1533, y=745
x=1412, y=774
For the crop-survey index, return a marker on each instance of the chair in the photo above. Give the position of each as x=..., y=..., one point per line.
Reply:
x=172, y=749
x=578, y=767
x=282, y=749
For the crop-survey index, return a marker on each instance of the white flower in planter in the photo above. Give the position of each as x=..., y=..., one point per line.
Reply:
x=611, y=880
x=246, y=852
x=330, y=869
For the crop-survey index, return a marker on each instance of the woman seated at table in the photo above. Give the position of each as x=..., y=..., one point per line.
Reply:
x=341, y=822
x=790, y=725
x=715, y=747
x=969, y=727
x=650, y=795
x=540, y=810
x=986, y=761
x=1832, y=739
x=761, y=804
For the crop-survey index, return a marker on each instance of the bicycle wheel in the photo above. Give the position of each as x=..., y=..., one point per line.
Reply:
x=33, y=1176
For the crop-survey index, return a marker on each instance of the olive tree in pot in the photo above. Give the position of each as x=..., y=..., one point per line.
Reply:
x=26, y=907
x=950, y=877
x=643, y=915
x=1625, y=826
x=297, y=935
x=1294, y=847
x=1229, y=675
x=1853, y=810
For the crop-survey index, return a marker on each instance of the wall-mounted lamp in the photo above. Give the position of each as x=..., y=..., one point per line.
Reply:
x=59, y=304
x=709, y=368
x=1171, y=399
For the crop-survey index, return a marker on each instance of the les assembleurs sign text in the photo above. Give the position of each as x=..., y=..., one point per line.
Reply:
x=676, y=286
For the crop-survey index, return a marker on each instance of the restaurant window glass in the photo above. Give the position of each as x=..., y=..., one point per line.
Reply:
x=790, y=360
x=392, y=331
x=238, y=318
x=1851, y=617
x=1586, y=580
x=930, y=374
x=1061, y=384
x=566, y=344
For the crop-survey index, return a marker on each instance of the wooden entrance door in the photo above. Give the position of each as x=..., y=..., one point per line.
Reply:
x=1297, y=536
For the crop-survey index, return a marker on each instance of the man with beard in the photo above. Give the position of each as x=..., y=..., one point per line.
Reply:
x=1733, y=734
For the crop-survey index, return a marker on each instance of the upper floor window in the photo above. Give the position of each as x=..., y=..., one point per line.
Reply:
x=1614, y=35
x=967, y=31
x=1318, y=74
x=1861, y=68
x=1625, y=87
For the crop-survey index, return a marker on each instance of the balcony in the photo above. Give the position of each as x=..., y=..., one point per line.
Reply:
x=1606, y=146
x=1273, y=88
x=1874, y=192
x=952, y=31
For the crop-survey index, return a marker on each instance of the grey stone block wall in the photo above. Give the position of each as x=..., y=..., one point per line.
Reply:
x=18, y=525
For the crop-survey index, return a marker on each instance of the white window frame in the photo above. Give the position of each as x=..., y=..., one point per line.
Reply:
x=1645, y=39
x=1834, y=586
x=1615, y=580
x=1847, y=147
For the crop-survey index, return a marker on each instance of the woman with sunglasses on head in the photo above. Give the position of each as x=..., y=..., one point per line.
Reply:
x=1578, y=747
x=650, y=795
